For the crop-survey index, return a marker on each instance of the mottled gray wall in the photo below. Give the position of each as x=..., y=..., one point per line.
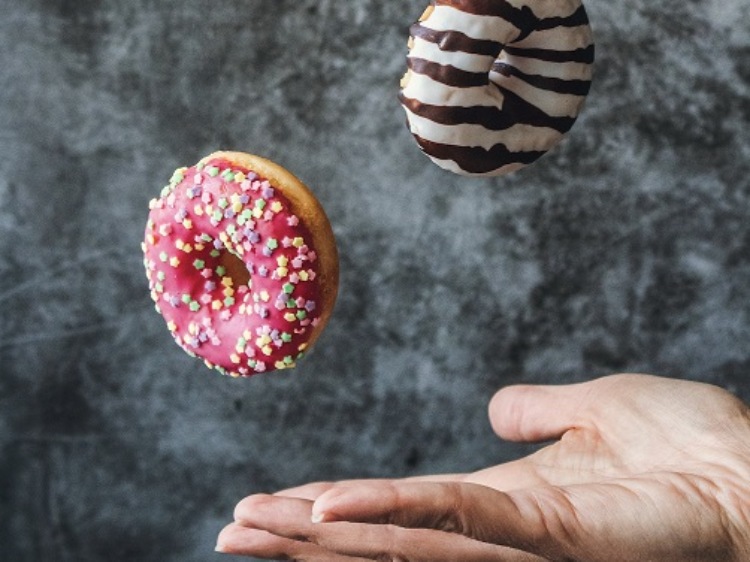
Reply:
x=627, y=249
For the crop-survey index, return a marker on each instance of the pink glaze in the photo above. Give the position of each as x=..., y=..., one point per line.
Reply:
x=240, y=320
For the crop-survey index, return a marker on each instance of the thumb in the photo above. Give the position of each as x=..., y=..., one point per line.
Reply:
x=532, y=413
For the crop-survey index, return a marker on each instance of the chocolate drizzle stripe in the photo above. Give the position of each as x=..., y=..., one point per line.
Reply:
x=515, y=111
x=522, y=18
x=585, y=55
x=455, y=41
x=557, y=85
x=447, y=74
x=475, y=159
x=576, y=19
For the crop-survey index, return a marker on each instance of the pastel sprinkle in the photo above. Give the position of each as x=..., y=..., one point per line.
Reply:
x=178, y=176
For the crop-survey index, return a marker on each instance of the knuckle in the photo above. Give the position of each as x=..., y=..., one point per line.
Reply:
x=453, y=517
x=394, y=498
x=394, y=547
x=559, y=524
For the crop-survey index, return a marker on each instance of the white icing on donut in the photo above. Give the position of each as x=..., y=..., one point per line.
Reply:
x=446, y=18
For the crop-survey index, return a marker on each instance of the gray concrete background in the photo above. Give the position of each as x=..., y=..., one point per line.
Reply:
x=626, y=249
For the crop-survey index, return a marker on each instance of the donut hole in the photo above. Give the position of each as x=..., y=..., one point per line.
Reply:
x=235, y=268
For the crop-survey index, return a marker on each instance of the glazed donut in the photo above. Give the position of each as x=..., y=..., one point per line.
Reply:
x=241, y=262
x=492, y=85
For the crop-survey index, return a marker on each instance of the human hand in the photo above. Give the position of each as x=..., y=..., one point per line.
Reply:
x=643, y=468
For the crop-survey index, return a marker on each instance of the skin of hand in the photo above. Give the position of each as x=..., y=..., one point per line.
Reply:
x=639, y=468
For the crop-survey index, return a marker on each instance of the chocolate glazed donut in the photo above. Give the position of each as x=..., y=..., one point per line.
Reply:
x=492, y=85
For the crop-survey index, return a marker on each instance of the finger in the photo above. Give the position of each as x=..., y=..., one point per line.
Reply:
x=239, y=540
x=297, y=511
x=309, y=491
x=471, y=510
x=440, y=506
x=276, y=541
x=290, y=518
x=389, y=542
x=538, y=413
x=312, y=490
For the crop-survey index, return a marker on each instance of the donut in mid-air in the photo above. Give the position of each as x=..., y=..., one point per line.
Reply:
x=492, y=85
x=241, y=262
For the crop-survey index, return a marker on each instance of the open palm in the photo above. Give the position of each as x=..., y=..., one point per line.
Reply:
x=641, y=468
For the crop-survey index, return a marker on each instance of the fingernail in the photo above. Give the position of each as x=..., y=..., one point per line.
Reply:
x=220, y=548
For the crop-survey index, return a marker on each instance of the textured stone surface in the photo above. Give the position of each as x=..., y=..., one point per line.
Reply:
x=626, y=249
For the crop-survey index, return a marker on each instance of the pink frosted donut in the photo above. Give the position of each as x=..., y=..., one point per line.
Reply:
x=241, y=262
